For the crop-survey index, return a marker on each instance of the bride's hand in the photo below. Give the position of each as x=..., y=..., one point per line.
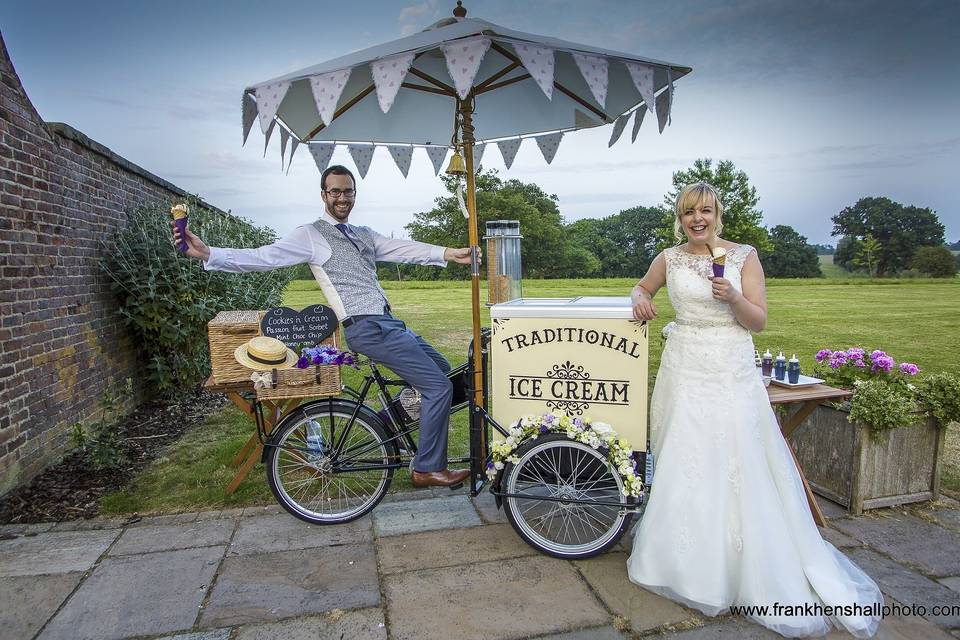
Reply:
x=643, y=309
x=724, y=291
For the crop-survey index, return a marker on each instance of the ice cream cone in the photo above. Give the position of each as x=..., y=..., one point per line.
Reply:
x=179, y=213
x=719, y=260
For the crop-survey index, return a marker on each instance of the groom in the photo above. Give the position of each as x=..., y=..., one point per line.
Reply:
x=343, y=258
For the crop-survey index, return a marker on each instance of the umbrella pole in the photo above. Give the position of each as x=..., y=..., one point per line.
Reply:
x=466, y=111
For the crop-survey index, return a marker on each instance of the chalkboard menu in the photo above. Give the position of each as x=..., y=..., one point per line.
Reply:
x=294, y=328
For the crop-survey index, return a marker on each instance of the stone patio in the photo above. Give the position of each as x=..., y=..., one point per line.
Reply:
x=423, y=565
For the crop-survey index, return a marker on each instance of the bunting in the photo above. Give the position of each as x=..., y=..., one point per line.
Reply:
x=463, y=61
x=478, y=154
x=269, y=97
x=249, y=115
x=321, y=152
x=284, y=136
x=539, y=61
x=266, y=136
x=618, y=126
x=549, y=143
x=402, y=155
x=643, y=79
x=637, y=121
x=327, y=89
x=388, y=75
x=294, y=144
x=595, y=72
x=436, y=155
x=508, y=149
x=362, y=156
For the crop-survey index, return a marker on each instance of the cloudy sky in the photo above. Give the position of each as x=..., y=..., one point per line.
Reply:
x=821, y=103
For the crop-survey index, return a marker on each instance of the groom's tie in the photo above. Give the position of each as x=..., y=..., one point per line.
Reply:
x=345, y=230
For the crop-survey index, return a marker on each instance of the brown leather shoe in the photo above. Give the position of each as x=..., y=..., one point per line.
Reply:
x=444, y=478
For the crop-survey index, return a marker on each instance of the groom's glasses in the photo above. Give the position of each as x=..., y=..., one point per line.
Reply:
x=349, y=194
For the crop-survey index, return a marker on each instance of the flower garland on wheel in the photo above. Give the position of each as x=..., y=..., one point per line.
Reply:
x=597, y=435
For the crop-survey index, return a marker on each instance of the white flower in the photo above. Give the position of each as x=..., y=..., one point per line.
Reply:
x=498, y=465
x=668, y=329
x=603, y=429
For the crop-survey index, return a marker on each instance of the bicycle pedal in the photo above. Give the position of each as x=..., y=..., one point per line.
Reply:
x=454, y=487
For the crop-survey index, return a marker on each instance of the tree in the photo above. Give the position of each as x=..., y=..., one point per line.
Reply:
x=899, y=229
x=791, y=256
x=824, y=249
x=548, y=251
x=936, y=262
x=868, y=254
x=624, y=243
x=741, y=217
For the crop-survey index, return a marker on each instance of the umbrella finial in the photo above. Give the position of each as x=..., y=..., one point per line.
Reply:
x=460, y=11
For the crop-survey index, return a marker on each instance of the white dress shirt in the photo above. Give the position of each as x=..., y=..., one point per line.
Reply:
x=306, y=244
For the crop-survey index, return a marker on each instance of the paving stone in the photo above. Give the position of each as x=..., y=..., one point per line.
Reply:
x=417, y=494
x=645, y=610
x=907, y=586
x=29, y=601
x=838, y=538
x=486, y=506
x=908, y=539
x=137, y=595
x=273, y=586
x=283, y=532
x=92, y=524
x=949, y=518
x=204, y=516
x=597, y=633
x=171, y=518
x=899, y=628
x=53, y=552
x=365, y=624
x=232, y=513
x=213, y=634
x=725, y=628
x=424, y=515
x=265, y=510
x=516, y=598
x=448, y=547
x=24, y=529
x=166, y=537
x=952, y=582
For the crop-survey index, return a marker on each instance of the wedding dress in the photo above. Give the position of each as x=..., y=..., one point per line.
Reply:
x=727, y=521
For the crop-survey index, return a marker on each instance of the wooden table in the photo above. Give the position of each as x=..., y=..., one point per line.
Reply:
x=808, y=398
x=242, y=394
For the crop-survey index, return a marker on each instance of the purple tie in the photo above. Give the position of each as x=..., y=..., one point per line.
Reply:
x=345, y=230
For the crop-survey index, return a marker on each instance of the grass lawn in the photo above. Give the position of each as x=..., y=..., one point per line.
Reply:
x=914, y=320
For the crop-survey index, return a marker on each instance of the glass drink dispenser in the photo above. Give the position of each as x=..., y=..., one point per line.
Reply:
x=503, y=261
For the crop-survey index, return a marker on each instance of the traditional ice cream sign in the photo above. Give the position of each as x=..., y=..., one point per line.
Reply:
x=584, y=356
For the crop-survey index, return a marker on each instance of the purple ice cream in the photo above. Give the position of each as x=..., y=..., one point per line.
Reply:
x=179, y=213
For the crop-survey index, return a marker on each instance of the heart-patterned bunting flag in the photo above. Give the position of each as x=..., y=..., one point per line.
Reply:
x=436, y=155
x=643, y=79
x=618, y=126
x=269, y=97
x=402, y=154
x=294, y=143
x=327, y=89
x=663, y=108
x=539, y=62
x=549, y=144
x=362, y=155
x=321, y=152
x=637, y=121
x=284, y=136
x=509, y=148
x=594, y=70
x=266, y=136
x=478, y=154
x=388, y=75
x=463, y=61
x=249, y=114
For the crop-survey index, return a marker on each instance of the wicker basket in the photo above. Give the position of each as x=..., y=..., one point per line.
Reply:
x=227, y=331
x=314, y=382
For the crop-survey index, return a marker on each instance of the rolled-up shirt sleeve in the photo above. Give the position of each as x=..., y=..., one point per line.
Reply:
x=298, y=247
x=406, y=251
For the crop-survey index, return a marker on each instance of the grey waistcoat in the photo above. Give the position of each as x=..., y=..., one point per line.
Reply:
x=351, y=274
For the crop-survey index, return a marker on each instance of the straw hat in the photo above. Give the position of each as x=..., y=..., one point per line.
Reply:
x=263, y=353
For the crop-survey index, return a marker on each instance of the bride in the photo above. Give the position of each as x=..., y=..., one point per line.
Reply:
x=728, y=523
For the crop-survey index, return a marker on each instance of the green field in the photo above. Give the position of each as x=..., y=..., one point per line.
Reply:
x=914, y=320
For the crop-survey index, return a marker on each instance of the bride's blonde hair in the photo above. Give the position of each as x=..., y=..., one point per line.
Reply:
x=695, y=196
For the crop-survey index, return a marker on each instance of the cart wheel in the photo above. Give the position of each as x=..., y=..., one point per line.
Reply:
x=556, y=467
x=314, y=483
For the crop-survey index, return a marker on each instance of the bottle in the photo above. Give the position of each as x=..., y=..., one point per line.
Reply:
x=793, y=370
x=766, y=363
x=315, y=443
x=780, y=367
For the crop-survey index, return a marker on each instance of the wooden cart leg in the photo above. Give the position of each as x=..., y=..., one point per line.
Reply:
x=786, y=430
x=253, y=449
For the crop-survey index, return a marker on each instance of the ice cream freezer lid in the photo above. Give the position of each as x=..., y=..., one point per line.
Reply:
x=614, y=307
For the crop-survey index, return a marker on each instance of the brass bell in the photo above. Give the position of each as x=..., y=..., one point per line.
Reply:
x=457, y=166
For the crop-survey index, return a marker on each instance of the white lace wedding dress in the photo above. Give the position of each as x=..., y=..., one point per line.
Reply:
x=728, y=522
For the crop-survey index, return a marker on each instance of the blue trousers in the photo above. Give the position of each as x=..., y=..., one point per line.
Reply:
x=387, y=340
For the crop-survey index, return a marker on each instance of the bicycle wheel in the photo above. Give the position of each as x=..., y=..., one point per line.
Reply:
x=325, y=469
x=557, y=468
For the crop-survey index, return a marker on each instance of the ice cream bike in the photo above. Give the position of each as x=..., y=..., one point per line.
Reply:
x=561, y=445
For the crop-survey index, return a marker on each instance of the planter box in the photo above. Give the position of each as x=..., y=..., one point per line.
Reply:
x=843, y=463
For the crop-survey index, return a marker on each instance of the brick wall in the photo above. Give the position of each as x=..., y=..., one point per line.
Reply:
x=61, y=341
